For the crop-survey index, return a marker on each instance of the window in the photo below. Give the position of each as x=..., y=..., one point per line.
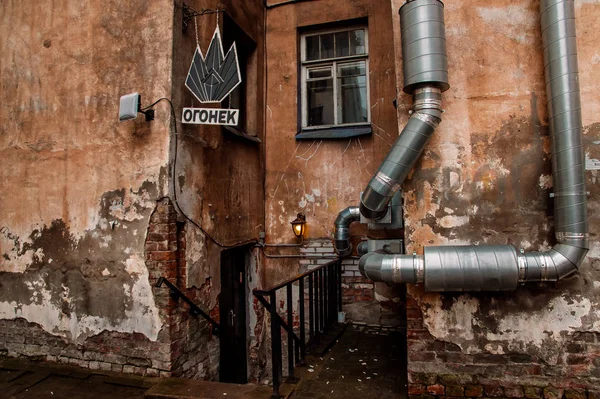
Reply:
x=241, y=97
x=335, y=86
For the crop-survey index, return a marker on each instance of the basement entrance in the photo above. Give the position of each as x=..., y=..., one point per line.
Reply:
x=233, y=309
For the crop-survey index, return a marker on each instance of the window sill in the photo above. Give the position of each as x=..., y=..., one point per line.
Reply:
x=340, y=132
x=239, y=133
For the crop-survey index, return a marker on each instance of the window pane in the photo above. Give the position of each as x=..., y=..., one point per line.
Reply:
x=320, y=102
x=312, y=48
x=352, y=93
x=342, y=44
x=327, y=45
x=357, y=42
x=319, y=73
x=354, y=69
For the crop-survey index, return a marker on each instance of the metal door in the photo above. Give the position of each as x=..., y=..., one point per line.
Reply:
x=233, y=305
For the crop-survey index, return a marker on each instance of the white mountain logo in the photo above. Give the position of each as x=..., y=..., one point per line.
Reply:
x=212, y=78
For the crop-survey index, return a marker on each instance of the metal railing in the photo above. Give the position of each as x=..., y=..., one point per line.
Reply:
x=195, y=310
x=324, y=303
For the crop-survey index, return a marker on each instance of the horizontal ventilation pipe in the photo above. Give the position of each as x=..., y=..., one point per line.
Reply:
x=342, y=232
x=495, y=268
x=425, y=68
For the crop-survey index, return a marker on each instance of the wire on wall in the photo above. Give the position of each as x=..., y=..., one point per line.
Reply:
x=174, y=181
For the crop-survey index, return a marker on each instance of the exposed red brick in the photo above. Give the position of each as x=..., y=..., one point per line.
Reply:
x=416, y=389
x=436, y=389
x=553, y=393
x=575, y=393
x=414, y=313
x=454, y=390
x=532, y=392
x=474, y=390
x=493, y=391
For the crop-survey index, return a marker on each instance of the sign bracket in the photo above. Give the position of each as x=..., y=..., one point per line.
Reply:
x=188, y=13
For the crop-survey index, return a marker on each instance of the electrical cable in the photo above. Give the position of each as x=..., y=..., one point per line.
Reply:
x=174, y=182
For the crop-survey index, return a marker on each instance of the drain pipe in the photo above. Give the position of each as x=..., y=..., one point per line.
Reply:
x=495, y=268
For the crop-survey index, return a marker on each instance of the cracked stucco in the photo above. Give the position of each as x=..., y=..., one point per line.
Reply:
x=80, y=186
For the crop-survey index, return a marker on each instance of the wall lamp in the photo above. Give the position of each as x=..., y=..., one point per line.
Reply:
x=299, y=229
x=130, y=105
x=299, y=225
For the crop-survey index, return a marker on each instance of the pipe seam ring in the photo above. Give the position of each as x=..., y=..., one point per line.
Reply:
x=544, y=267
x=386, y=180
x=427, y=103
x=585, y=194
x=564, y=235
x=418, y=268
x=428, y=119
x=428, y=89
x=522, y=261
x=396, y=269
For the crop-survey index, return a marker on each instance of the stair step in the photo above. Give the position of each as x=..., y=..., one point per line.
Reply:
x=179, y=388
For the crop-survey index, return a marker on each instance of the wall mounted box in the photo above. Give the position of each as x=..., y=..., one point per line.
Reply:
x=129, y=106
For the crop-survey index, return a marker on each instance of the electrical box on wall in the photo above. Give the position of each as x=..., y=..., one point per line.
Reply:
x=129, y=106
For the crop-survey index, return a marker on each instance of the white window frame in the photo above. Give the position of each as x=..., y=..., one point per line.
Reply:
x=333, y=63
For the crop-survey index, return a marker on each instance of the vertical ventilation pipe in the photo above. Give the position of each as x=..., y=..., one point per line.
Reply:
x=494, y=268
x=425, y=68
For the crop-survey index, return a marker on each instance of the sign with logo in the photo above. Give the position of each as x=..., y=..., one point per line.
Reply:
x=211, y=79
x=211, y=116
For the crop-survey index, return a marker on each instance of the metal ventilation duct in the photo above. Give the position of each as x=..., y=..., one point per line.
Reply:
x=342, y=234
x=494, y=268
x=426, y=77
x=425, y=68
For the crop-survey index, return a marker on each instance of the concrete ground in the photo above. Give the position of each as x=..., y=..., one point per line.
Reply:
x=366, y=362
x=21, y=379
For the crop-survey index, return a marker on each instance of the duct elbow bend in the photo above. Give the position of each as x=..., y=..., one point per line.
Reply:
x=555, y=264
x=342, y=233
x=396, y=269
x=406, y=150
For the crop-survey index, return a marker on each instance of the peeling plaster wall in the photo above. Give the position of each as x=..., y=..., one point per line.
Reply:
x=78, y=186
x=219, y=177
x=485, y=178
x=320, y=177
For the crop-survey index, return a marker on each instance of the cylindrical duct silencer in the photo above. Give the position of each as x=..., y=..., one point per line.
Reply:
x=471, y=268
x=424, y=56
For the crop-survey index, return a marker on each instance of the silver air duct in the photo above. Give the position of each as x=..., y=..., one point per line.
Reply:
x=342, y=233
x=425, y=69
x=426, y=77
x=495, y=268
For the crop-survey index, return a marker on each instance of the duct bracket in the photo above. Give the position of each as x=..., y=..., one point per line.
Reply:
x=391, y=246
x=393, y=219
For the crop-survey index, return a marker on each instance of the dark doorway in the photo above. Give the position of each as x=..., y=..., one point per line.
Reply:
x=232, y=303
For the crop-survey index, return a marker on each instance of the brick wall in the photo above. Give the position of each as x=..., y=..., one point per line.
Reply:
x=359, y=299
x=193, y=350
x=442, y=369
x=184, y=346
x=111, y=351
x=355, y=287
